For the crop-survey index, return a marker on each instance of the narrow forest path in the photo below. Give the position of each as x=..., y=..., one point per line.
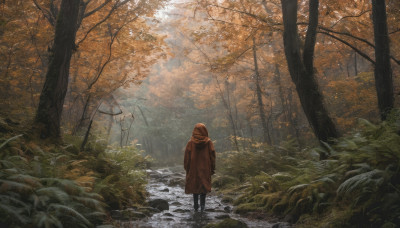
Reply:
x=167, y=184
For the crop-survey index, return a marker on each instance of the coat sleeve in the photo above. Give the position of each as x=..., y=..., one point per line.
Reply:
x=212, y=157
x=186, y=162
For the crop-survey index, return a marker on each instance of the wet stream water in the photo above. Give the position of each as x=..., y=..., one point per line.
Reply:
x=168, y=184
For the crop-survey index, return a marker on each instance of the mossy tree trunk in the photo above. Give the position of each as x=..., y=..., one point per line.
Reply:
x=301, y=68
x=383, y=69
x=48, y=115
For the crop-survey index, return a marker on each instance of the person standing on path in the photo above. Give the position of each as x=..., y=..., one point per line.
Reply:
x=199, y=164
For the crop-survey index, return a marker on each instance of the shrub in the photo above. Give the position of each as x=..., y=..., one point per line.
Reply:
x=361, y=176
x=29, y=199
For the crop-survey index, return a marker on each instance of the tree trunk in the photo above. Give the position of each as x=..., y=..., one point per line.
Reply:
x=230, y=115
x=79, y=125
x=110, y=123
x=355, y=64
x=302, y=70
x=227, y=105
x=86, y=138
x=266, y=137
x=48, y=115
x=383, y=70
x=293, y=120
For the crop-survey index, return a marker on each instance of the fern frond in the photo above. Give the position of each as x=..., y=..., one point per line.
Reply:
x=10, y=171
x=93, y=195
x=27, y=179
x=61, y=158
x=42, y=219
x=372, y=178
x=89, y=202
x=76, y=162
x=7, y=200
x=362, y=168
x=69, y=212
x=366, y=123
x=17, y=158
x=68, y=186
x=6, y=164
x=96, y=215
x=330, y=150
x=15, y=213
x=298, y=187
x=325, y=179
x=53, y=192
x=10, y=139
x=7, y=185
x=282, y=176
x=347, y=144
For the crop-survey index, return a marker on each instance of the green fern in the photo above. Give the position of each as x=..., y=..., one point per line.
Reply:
x=90, y=202
x=53, y=193
x=369, y=180
x=42, y=219
x=16, y=214
x=7, y=185
x=69, y=212
x=8, y=140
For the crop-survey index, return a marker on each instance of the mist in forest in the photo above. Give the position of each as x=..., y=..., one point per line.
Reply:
x=211, y=79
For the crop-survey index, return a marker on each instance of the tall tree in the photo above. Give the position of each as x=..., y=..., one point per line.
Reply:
x=266, y=136
x=301, y=68
x=383, y=70
x=48, y=115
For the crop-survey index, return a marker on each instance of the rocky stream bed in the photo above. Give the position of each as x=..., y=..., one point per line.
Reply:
x=169, y=206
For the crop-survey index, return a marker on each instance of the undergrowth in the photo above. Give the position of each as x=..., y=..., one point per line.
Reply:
x=358, y=185
x=45, y=185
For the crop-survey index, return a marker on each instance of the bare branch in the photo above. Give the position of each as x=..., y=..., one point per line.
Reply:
x=349, y=45
x=53, y=9
x=109, y=113
x=231, y=23
x=350, y=16
x=115, y=6
x=97, y=8
x=47, y=14
x=245, y=13
x=357, y=38
x=113, y=36
x=395, y=31
x=347, y=34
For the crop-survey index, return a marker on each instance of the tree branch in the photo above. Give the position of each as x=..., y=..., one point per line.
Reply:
x=113, y=36
x=47, y=14
x=311, y=36
x=395, y=31
x=115, y=6
x=349, y=45
x=111, y=114
x=350, y=16
x=97, y=8
x=357, y=38
x=245, y=13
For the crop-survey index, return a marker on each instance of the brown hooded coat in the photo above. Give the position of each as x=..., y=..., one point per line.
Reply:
x=199, y=161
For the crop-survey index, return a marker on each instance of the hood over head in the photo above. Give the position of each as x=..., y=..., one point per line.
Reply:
x=200, y=134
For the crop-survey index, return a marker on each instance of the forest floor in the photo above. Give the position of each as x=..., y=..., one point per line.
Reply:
x=168, y=184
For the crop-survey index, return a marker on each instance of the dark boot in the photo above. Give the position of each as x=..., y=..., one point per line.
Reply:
x=202, y=201
x=196, y=201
